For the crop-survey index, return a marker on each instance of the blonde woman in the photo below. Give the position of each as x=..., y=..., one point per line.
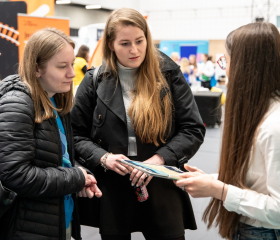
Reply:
x=36, y=144
x=185, y=68
x=138, y=107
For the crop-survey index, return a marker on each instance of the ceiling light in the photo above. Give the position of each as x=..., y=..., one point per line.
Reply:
x=63, y=1
x=95, y=6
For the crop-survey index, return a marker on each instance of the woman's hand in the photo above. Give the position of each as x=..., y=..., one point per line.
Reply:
x=139, y=178
x=156, y=159
x=112, y=164
x=199, y=184
x=91, y=189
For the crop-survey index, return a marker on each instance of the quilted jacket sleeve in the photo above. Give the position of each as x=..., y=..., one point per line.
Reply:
x=17, y=152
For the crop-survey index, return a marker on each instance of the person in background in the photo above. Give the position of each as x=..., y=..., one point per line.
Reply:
x=194, y=80
x=206, y=71
x=36, y=146
x=139, y=107
x=246, y=195
x=80, y=66
x=192, y=61
x=185, y=68
x=175, y=57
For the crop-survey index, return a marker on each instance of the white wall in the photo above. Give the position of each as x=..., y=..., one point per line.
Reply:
x=183, y=19
x=80, y=16
x=110, y=4
x=203, y=19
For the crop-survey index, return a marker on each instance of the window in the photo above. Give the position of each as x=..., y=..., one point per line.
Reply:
x=278, y=21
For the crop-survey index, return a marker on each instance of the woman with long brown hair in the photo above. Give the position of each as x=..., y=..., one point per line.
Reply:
x=140, y=107
x=246, y=196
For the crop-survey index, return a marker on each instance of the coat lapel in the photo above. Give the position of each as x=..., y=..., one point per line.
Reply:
x=110, y=93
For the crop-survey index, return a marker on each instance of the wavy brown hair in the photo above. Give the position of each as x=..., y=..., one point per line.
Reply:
x=40, y=48
x=254, y=79
x=151, y=116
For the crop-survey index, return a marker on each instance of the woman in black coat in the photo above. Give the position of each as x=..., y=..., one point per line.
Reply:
x=36, y=143
x=138, y=107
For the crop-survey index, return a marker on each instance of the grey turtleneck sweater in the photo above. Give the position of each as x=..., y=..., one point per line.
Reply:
x=127, y=77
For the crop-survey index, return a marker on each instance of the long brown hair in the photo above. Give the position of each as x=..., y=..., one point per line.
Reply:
x=151, y=116
x=40, y=48
x=254, y=79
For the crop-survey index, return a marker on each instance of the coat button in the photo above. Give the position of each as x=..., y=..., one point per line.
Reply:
x=99, y=141
x=100, y=117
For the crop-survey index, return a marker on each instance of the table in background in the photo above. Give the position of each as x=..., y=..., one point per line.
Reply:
x=209, y=106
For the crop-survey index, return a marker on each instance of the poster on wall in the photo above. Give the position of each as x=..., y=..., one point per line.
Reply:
x=27, y=25
x=184, y=48
x=99, y=33
x=187, y=50
x=9, y=36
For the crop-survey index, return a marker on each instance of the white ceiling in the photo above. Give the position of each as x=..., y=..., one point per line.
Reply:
x=109, y=4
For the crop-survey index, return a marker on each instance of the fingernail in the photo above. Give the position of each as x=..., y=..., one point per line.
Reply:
x=132, y=184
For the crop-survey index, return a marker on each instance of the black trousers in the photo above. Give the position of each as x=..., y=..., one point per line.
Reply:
x=206, y=84
x=128, y=237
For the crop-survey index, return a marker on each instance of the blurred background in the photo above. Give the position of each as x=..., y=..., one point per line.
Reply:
x=181, y=27
x=191, y=32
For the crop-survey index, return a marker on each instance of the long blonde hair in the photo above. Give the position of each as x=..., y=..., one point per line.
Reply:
x=42, y=46
x=254, y=79
x=150, y=113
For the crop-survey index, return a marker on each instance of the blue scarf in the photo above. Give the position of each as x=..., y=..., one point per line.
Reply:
x=68, y=200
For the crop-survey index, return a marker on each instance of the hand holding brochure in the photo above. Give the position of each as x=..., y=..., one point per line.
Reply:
x=162, y=171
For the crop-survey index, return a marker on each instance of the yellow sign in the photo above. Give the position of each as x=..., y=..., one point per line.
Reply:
x=40, y=8
x=27, y=25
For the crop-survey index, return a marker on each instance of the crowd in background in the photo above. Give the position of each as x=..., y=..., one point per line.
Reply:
x=201, y=73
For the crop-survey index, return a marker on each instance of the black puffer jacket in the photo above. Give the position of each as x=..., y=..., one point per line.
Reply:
x=30, y=160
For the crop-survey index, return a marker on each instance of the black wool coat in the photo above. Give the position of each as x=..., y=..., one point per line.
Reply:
x=30, y=160
x=99, y=126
